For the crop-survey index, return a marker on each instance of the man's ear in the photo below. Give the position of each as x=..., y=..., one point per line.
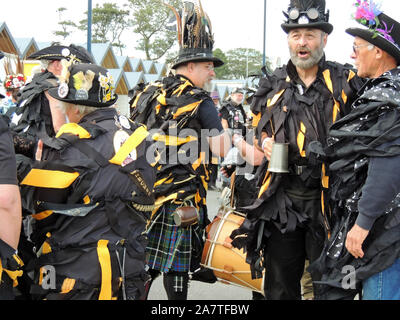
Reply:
x=378, y=53
x=190, y=66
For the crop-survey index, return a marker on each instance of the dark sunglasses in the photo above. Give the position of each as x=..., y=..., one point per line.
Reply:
x=311, y=13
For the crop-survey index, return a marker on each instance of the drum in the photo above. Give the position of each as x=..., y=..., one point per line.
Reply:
x=228, y=263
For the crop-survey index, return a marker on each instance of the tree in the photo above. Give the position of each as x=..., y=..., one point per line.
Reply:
x=64, y=24
x=150, y=19
x=108, y=24
x=221, y=72
x=243, y=62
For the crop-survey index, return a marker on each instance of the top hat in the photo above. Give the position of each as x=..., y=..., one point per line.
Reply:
x=237, y=90
x=307, y=14
x=86, y=85
x=194, y=36
x=59, y=52
x=381, y=30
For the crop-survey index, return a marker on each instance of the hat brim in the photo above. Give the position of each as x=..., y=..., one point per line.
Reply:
x=54, y=93
x=217, y=62
x=1, y=96
x=324, y=26
x=376, y=40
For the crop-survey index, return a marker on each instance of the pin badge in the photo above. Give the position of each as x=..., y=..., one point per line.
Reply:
x=63, y=90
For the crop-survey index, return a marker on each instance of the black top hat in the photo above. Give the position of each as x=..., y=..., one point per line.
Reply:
x=86, y=85
x=238, y=90
x=194, y=36
x=307, y=14
x=58, y=52
x=382, y=31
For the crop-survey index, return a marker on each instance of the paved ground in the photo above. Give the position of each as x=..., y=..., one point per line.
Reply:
x=201, y=290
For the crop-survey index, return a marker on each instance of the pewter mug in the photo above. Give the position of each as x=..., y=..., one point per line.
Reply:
x=279, y=158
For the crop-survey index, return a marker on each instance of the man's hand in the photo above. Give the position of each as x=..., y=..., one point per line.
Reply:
x=354, y=241
x=39, y=151
x=267, y=147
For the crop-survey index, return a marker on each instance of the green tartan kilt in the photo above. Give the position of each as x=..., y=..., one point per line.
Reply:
x=173, y=248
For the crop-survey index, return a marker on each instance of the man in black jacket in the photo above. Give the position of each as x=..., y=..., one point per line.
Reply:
x=91, y=196
x=232, y=113
x=36, y=119
x=290, y=219
x=365, y=150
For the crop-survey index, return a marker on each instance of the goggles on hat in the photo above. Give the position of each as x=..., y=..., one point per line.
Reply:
x=311, y=13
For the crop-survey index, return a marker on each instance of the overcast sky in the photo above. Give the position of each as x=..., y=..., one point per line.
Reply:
x=236, y=23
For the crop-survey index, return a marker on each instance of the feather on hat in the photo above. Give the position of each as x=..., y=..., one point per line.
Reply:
x=195, y=35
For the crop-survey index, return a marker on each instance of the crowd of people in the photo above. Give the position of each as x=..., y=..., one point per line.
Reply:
x=96, y=205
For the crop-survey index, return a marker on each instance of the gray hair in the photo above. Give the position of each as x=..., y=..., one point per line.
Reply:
x=83, y=110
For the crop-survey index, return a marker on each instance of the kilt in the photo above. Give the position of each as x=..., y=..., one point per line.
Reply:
x=173, y=248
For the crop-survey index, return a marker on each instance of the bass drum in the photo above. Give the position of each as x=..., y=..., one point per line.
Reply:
x=228, y=264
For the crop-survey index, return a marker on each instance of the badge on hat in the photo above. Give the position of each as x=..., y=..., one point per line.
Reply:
x=82, y=84
x=107, y=86
x=63, y=90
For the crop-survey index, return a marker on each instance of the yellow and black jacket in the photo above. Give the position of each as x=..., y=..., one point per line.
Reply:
x=91, y=200
x=169, y=109
x=285, y=109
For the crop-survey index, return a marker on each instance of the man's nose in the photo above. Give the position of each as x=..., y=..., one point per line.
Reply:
x=303, y=41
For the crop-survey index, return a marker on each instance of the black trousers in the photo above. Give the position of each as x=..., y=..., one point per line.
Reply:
x=285, y=256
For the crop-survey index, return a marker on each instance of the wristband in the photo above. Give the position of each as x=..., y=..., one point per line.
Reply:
x=263, y=143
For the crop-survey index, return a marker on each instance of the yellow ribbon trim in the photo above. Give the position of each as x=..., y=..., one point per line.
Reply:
x=199, y=161
x=12, y=274
x=275, y=98
x=75, y=129
x=42, y=215
x=130, y=144
x=301, y=136
x=336, y=110
x=325, y=178
x=188, y=108
x=256, y=119
x=181, y=88
x=267, y=181
x=68, y=285
x=351, y=76
x=49, y=179
x=172, y=140
x=336, y=106
x=105, y=265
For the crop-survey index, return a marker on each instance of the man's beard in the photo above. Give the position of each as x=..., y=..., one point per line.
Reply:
x=315, y=57
x=208, y=86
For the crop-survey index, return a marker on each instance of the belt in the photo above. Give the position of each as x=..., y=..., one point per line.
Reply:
x=298, y=170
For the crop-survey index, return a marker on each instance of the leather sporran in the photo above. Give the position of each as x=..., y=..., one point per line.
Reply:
x=186, y=216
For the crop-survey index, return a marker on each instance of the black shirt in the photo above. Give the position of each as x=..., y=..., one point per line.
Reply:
x=208, y=116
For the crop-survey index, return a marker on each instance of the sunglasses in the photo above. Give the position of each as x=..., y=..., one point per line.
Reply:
x=311, y=13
